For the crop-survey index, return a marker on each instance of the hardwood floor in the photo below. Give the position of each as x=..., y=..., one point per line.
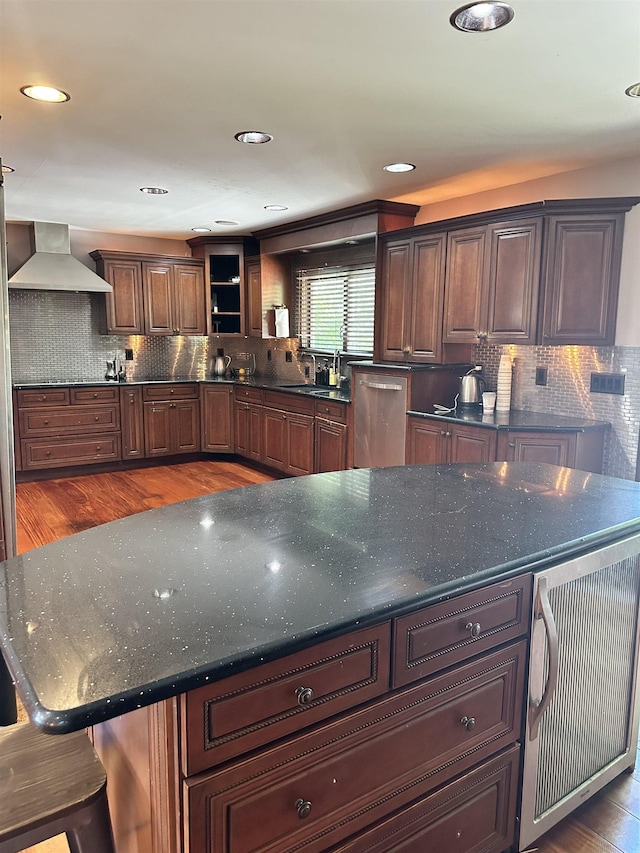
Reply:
x=51, y=509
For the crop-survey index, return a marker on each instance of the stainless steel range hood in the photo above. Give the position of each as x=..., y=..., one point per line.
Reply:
x=52, y=266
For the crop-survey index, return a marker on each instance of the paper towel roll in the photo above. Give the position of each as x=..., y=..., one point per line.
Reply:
x=282, y=322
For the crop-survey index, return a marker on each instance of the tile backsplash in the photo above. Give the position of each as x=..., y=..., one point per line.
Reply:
x=55, y=336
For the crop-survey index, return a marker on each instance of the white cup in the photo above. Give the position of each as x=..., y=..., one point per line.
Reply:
x=488, y=401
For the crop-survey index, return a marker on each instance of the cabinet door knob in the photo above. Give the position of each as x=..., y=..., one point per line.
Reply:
x=482, y=336
x=303, y=807
x=512, y=444
x=304, y=695
x=448, y=434
x=96, y=394
x=97, y=418
x=406, y=350
x=46, y=423
x=474, y=628
x=469, y=723
x=442, y=432
x=98, y=449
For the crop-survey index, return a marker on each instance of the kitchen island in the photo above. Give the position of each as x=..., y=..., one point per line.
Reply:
x=322, y=633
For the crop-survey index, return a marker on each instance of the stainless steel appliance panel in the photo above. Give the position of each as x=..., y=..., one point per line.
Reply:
x=379, y=419
x=582, y=722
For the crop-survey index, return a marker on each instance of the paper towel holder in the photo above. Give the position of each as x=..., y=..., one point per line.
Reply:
x=281, y=321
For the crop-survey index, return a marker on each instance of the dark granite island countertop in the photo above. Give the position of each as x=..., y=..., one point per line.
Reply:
x=144, y=608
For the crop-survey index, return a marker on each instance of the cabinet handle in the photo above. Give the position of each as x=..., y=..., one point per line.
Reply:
x=97, y=418
x=303, y=807
x=284, y=417
x=469, y=723
x=96, y=394
x=482, y=336
x=474, y=629
x=512, y=444
x=305, y=695
x=48, y=453
x=171, y=390
x=448, y=434
x=46, y=423
x=406, y=350
x=98, y=449
x=43, y=398
x=442, y=432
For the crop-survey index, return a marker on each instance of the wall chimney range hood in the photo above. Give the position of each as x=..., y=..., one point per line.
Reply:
x=52, y=266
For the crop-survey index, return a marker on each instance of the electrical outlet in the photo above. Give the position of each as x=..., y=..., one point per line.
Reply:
x=607, y=383
x=288, y=356
x=306, y=372
x=268, y=355
x=541, y=375
x=128, y=355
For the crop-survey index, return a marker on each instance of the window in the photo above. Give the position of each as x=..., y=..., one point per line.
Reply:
x=335, y=302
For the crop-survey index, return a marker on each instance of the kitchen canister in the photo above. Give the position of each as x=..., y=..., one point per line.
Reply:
x=503, y=391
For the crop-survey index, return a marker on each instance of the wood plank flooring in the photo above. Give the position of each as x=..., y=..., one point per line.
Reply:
x=51, y=509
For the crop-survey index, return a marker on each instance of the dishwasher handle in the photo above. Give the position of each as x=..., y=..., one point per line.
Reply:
x=381, y=386
x=542, y=610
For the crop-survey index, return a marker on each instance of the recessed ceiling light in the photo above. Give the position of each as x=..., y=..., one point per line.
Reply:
x=46, y=93
x=399, y=167
x=275, y=207
x=226, y=222
x=481, y=17
x=253, y=137
x=201, y=230
x=153, y=190
x=7, y=169
x=633, y=91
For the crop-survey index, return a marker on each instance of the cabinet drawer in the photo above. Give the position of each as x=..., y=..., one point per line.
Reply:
x=40, y=397
x=163, y=391
x=70, y=420
x=445, y=634
x=331, y=410
x=474, y=813
x=248, y=394
x=261, y=705
x=335, y=780
x=82, y=396
x=53, y=453
x=289, y=402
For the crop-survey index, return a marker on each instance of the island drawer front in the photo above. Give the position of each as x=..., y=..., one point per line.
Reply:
x=248, y=394
x=316, y=790
x=162, y=391
x=476, y=812
x=70, y=420
x=54, y=453
x=83, y=396
x=255, y=707
x=40, y=397
x=331, y=410
x=289, y=402
x=446, y=634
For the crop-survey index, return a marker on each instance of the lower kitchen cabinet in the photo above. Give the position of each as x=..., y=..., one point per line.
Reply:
x=331, y=436
x=171, y=419
x=216, y=407
x=434, y=441
x=316, y=752
x=431, y=443
x=288, y=433
x=131, y=420
x=248, y=420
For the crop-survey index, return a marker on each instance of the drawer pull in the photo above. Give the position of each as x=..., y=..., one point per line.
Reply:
x=474, y=628
x=303, y=807
x=97, y=418
x=46, y=423
x=305, y=695
x=469, y=723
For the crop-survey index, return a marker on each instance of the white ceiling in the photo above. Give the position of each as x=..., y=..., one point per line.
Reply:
x=159, y=88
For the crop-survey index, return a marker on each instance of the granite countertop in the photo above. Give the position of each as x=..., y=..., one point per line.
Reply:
x=144, y=608
x=517, y=419
x=255, y=382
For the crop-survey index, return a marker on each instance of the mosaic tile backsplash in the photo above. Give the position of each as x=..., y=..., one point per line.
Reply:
x=56, y=336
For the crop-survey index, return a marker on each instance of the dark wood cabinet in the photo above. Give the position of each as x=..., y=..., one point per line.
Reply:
x=225, y=286
x=492, y=283
x=152, y=294
x=288, y=433
x=216, y=407
x=254, y=297
x=171, y=419
x=248, y=423
x=431, y=442
x=131, y=422
x=581, y=278
x=331, y=445
x=410, y=298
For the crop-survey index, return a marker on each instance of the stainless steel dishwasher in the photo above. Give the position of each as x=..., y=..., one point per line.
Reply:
x=379, y=420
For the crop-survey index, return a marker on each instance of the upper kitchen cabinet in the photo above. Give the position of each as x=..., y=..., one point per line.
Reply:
x=152, y=294
x=409, y=299
x=224, y=273
x=582, y=271
x=254, y=297
x=492, y=282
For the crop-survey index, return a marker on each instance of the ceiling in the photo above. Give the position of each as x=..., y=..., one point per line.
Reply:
x=159, y=88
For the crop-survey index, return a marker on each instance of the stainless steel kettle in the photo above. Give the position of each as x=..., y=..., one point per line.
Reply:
x=220, y=365
x=471, y=387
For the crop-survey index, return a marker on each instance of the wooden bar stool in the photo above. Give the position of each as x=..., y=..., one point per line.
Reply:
x=51, y=784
